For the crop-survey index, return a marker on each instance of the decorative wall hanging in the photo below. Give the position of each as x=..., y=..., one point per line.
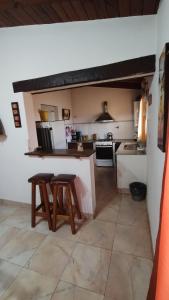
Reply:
x=16, y=114
x=65, y=114
x=164, y=97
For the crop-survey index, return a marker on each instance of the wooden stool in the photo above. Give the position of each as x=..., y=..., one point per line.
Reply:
x=63, y=207
x=41, y=179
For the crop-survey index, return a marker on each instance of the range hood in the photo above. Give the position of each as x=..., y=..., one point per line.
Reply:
x=105, y=116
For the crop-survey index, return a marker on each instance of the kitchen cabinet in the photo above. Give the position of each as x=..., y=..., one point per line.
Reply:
x=131, y=166
x=86, y=145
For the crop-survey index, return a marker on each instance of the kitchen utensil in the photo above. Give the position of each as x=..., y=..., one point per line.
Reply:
x=43, y=115
x=109, y=136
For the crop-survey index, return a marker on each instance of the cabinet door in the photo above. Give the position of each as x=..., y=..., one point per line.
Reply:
x=88, y=145
x=72, y=146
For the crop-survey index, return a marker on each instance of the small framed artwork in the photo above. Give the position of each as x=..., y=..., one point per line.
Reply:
x=65, y=114
x=16, y=114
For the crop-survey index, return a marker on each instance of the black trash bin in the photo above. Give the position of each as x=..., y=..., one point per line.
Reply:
x=138, y=190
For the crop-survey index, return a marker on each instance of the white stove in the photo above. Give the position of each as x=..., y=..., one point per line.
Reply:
x=104, y=153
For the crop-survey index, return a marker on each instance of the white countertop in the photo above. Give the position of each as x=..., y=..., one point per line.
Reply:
x=124, y=151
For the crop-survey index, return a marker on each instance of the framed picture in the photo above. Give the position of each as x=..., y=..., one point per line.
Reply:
x=164, y=97
x=65, y=114
x=16, y=114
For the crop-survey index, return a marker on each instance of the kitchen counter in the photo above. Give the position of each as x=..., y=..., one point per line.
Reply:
x=63, y=153
x=131, y=165
x=124, y=151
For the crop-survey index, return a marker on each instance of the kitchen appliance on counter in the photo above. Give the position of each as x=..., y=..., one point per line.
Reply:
x=104, y=153
x=52, y=134
x=109, y=136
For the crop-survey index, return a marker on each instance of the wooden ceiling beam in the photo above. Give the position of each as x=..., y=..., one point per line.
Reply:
x=124, y=8
x=69, y=10
x=149, y=7
x=89, y=7
x=80, y=11
x=112, y=8
x=137, y=7
x=133, y=67
x=26, y=12
x=60, y=12
x=120, y=85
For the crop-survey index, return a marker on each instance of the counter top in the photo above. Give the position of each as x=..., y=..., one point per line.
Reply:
x=113, y=141
x=63, y=152
x=122, y=151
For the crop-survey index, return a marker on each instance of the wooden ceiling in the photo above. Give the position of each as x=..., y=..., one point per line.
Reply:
x=29, y=12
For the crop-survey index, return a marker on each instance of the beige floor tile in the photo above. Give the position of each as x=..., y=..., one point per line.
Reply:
x=30, y=285
x=68, y=291
x=8, y=273
x=108, y=212
x=20, y=247
x=88, y=268
x=141, y=273
x=6, y=211
x=128, y=277
x=51, y=257
x=7, y=233
x=133, y=240
x=132, y=212
x=21, y=218
x=98, y=233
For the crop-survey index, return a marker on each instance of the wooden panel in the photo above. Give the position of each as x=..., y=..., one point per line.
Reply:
x=100, y=9
x=51, y=13
x=112, y=8
x=69, y=10
x=149, y=7
x=136, y=7
x=10, y=20
x=121, y=85
x=60, y=11
x=90, y=9
x=80, y=11
x=21, y=16
x=124, y=8
x=23, y=12
x=132, y=67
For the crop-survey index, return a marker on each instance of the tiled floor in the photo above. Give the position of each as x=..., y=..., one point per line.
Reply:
x=109, y=258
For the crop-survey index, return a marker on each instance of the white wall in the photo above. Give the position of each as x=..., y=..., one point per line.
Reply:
x=155, y=156
x=36, y=51
x=61, y=99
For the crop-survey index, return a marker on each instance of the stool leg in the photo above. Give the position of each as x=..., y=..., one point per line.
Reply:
x=42, y=200
x=46, y=203
x=76, y=200
x=55, y=192
x=33, y=215
x=60, y=199
x=70, y=207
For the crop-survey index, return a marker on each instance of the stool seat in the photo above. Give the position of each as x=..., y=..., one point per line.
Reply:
x=63, y=178
x=41, y=177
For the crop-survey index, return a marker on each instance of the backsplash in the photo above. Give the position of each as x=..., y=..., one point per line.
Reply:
x=120, y=130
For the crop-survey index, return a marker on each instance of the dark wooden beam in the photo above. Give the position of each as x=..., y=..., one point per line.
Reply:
x=120, y=85
x=132, y=67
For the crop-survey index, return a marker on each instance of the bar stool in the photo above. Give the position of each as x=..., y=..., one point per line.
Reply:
x=41, y=180
x=64, y=207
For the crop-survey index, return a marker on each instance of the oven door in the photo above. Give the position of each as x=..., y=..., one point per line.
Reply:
x=104, y=155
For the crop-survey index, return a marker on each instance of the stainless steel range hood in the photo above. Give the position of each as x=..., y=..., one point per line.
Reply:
x=105, y=116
